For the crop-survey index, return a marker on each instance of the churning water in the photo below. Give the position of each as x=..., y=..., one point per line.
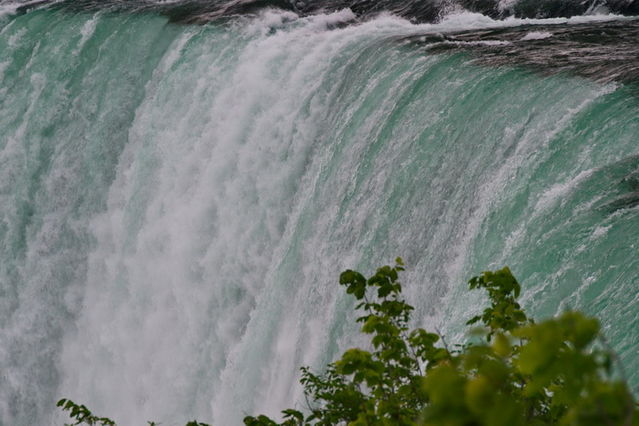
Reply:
x=177, y=199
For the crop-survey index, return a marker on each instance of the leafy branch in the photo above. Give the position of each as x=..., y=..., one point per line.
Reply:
x=514, y=372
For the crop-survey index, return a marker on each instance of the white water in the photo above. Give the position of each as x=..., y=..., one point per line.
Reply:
x=209, y=218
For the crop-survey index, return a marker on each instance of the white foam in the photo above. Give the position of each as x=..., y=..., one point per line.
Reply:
x=506, y=5
x=600, y=231
x=483, y=43
x=87, y=30
x=457, y=20
x=8, y=8
x=558, y=192
x=474, y=21
x=536, y=35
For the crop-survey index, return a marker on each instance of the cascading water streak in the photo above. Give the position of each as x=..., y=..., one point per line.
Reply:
x=178, y=201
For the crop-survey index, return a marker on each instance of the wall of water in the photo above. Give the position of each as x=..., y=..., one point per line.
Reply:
x=178, y=201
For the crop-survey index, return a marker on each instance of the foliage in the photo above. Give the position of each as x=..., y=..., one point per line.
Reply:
x=82, y=415
x=513, y=371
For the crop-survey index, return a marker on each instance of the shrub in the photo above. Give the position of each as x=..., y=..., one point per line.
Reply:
x=512, y=371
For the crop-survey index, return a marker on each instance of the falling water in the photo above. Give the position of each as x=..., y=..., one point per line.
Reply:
x=178, y=200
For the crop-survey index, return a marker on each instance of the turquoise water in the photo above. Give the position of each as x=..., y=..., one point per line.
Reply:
x=177, y=201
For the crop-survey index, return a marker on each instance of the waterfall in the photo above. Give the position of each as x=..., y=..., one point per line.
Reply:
x=177, y=201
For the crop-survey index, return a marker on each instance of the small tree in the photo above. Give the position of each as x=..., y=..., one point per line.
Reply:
x=515, y=371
